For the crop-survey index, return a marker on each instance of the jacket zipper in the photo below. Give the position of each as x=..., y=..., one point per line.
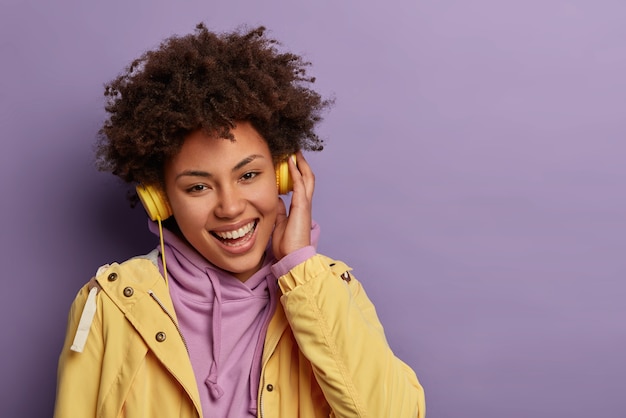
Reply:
x=164, y=309
x=261, y=400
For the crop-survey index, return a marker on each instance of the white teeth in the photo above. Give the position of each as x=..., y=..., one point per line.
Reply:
x=237, y=233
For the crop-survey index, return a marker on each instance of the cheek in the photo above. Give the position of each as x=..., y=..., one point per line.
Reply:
x=266, y=201
x=188, y=213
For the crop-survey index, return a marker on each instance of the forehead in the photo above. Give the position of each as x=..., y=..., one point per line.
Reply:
x=201, y=149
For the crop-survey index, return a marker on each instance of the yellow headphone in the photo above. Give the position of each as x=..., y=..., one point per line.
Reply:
x=154, y=202
x=284, y=183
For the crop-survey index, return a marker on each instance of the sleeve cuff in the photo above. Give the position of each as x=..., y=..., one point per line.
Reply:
x=285, y=264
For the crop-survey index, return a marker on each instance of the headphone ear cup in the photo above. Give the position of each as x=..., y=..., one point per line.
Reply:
x=154, y=202
x=284, y=183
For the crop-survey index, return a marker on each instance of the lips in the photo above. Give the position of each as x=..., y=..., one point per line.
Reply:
x=237, y=236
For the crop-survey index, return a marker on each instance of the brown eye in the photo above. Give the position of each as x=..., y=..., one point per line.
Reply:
x=197, y=188
x=249, y=175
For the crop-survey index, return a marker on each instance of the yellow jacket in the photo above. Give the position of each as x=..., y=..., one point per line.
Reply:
x=325, y=352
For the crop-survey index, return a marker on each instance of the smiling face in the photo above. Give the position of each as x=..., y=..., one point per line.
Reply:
x=224, y=198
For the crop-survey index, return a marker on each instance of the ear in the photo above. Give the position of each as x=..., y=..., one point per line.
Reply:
x=284, y=183
x=154, y=202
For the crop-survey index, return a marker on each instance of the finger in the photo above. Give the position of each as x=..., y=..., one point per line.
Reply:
x=305, y=173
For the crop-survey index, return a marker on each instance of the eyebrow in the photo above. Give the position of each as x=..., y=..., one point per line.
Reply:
x=200, y=173
x=246, y=161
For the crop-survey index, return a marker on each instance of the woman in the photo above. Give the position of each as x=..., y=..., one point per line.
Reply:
x=234, y=314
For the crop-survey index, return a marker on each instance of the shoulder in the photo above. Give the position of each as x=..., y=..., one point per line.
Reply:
x=152, y=256
x=146, y=263
x=138, y=269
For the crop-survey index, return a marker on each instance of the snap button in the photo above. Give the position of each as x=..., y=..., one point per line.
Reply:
x=160, y=336
x=128, y=291
x=112, y=277
x=270, y=387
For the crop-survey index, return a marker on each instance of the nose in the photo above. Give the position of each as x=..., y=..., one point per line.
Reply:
x=231, y=203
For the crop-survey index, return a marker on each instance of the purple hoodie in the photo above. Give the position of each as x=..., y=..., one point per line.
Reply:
x=224, y=321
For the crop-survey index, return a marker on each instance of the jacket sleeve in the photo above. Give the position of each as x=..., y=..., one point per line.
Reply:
x=337, y=329
x=78, y=376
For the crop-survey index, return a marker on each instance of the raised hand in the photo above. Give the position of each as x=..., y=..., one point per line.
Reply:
x=293, y=231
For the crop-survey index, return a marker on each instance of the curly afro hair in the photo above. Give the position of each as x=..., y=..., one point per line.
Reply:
x=206, y=81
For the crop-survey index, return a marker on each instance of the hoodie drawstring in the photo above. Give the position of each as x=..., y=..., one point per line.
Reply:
x=211, y=381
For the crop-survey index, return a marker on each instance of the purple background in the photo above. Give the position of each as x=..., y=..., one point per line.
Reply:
x=473, y=176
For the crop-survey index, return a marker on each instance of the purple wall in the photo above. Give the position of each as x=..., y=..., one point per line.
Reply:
x=474, y=177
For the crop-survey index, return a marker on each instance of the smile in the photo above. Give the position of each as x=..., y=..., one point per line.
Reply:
x=237, y=236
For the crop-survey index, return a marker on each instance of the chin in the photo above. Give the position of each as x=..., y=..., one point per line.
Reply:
x=243, y=269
